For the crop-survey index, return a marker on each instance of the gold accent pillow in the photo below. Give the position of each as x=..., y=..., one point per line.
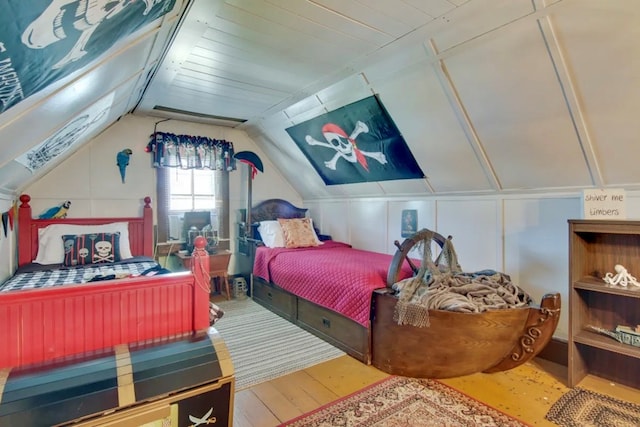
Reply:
x=298, y=232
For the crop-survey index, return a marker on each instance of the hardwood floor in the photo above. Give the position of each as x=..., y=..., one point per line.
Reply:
x=526, y=392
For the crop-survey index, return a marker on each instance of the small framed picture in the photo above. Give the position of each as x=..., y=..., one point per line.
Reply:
x=409, y=222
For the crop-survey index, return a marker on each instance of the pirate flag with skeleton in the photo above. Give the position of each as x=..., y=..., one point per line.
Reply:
x=356, y=143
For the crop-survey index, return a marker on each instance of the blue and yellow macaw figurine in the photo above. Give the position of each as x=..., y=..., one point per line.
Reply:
x=56, y=211
x=122, y=160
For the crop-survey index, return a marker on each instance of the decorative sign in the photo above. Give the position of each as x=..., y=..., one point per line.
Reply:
x=409, y=222
x=356, y=143
x=85, y=123
x=604, y=204
x=43, y=41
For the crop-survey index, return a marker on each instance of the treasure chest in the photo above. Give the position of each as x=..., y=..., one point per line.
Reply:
x=181, y=382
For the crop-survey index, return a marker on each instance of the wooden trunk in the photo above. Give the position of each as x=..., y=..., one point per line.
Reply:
x=163, y=384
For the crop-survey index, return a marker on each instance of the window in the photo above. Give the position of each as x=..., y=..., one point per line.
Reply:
x=191, y=190
x=186, y=190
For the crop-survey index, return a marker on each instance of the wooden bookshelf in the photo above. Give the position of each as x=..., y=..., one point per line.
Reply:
x=595, y=247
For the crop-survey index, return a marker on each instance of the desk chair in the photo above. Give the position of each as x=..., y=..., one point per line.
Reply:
x=218, y=266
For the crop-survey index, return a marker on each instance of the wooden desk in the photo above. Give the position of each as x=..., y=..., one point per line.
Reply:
x=218, y=267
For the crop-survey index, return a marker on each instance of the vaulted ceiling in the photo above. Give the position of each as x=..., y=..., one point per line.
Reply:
x=490, y=95
x=244, y=60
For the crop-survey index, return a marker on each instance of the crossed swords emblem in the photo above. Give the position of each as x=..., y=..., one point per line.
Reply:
x=204, y=420
x=345, y=145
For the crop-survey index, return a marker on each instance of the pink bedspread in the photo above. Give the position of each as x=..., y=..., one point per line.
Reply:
x=332, y=275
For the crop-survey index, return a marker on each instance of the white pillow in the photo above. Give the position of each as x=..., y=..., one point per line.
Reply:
x=273, y=237
x=51, y=246
x=271, y=234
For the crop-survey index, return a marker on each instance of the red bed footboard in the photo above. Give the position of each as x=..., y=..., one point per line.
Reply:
x=41, y=325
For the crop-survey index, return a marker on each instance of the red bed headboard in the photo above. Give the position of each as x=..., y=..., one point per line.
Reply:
x=140, y=230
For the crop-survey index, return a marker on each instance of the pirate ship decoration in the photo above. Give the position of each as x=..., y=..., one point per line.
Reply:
x=622, y=334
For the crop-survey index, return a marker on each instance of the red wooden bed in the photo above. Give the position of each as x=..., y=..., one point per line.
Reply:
x=313, y=289
x=43, y=325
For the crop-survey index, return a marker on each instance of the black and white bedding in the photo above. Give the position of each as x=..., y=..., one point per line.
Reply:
x=34, y=276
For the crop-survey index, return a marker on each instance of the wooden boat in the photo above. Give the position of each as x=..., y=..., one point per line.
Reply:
x=457, y=343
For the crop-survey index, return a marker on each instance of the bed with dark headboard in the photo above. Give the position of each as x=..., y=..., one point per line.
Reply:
x=321, y=288
x=343, y=321
x=101, y=305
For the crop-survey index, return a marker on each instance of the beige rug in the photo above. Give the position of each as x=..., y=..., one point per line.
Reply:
x=584, y=408
x=402, y=402
x=265, y=346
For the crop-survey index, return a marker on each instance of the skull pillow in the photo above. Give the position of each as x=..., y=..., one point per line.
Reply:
x=94, y=248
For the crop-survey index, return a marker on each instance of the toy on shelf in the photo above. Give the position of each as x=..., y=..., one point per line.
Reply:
x=623, y=334
x=621, y=278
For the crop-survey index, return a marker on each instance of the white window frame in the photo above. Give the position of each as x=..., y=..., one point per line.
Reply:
x=194, y=203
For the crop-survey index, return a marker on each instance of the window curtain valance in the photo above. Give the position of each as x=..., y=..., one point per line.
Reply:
x=190, y=152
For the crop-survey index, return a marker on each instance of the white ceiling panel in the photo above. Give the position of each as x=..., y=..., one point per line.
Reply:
x=603, y=55
x=490, y=95
x=433, y=130
x=464, y=24
x=400, y=11
x=432, y=7
x=69, y=139
x=349, y=25
x=262, y=56
x=45, y=117
x=344, y=92
x=404, y=187
x=508, y=86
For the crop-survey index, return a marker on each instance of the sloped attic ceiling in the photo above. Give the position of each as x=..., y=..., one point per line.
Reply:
x=490, y=95
x=68, y=70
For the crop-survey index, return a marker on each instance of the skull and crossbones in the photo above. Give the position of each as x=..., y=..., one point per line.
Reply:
x=104, y=253
x=68, y=245
x=48, y=28
x=345, y=145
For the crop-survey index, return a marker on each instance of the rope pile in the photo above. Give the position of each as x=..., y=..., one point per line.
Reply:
x=441, y=285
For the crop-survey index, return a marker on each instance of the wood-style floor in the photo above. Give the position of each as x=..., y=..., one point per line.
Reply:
x=526, y=392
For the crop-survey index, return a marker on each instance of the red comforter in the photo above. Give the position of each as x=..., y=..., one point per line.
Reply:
x=332, y=275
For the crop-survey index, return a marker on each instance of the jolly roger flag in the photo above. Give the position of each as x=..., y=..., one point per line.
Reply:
x=43, y=41
x=356, y=143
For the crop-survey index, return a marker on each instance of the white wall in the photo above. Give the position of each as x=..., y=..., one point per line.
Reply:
x=91, y=180
x=525, y=236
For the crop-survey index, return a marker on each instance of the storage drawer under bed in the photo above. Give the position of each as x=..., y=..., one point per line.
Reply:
x=274, y=298
x=338, y=330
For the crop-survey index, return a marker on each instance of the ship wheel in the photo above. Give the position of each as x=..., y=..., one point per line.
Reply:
x=411, y=249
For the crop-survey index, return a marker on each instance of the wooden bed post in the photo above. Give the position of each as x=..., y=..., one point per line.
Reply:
x=247, y=224
x=24, y=230
x=255, y=164
x=147, y=215
x=200, y=270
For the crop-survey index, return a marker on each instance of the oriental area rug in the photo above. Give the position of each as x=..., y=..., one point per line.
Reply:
x=582, y=408
x=402, y=402
x=264, y=346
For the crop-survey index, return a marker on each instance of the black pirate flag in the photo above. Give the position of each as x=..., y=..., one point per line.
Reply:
x=356, y=143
